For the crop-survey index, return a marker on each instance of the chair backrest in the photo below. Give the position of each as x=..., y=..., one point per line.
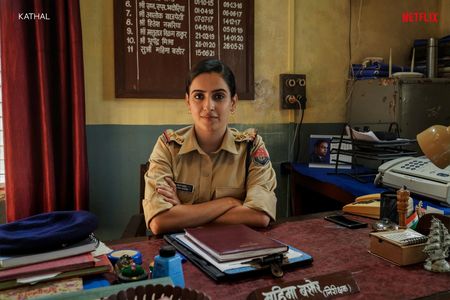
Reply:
x=136, y=225
x=144, y=168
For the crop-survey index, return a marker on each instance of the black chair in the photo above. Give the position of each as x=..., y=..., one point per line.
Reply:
x=136, y=225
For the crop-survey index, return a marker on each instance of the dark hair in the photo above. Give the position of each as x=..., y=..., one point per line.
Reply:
x=212, y=66
x=320, y=141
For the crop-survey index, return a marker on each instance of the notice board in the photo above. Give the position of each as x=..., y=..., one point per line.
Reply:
x=158, y=41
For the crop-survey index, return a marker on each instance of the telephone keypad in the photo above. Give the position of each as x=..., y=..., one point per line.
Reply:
x=424, y=167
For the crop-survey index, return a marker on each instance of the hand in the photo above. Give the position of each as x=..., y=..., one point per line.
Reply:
x=169, y=192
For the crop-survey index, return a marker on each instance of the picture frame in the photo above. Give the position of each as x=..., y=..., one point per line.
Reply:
x=322, y=152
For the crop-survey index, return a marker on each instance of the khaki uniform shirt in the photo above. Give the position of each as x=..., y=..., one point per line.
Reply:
x=201, y=177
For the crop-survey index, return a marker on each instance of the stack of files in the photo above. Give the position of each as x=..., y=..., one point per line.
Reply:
x=421, y=48
x=443, y=52
x=375, y=70
x=444, y=71
x=228, y=251
x=72, y=261
x=226, y=243
x=87, y=245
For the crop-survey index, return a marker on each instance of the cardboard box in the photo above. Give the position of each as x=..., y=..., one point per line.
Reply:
x=395, y=253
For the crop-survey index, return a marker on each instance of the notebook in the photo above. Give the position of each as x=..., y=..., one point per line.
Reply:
x=84, y=246
x=234, y=269
x=232, y=242
x=70, y=263
x=102, y=265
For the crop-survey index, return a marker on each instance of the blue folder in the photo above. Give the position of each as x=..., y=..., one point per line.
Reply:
x=234, y=273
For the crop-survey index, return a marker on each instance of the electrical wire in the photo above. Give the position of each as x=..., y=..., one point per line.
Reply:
x=297, y=130
x=351, y=72
x=358, y=25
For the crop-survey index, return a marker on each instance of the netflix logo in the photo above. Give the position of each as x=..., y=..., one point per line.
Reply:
x=420, y=17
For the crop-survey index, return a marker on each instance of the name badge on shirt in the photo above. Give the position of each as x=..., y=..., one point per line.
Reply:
x=184, y=187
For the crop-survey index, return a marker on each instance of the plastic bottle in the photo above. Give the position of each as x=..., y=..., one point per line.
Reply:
x=168, y=264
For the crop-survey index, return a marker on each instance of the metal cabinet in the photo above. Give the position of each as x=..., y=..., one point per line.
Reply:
x=414, y=103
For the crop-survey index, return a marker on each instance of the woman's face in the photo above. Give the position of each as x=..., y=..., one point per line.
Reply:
x=210, y=102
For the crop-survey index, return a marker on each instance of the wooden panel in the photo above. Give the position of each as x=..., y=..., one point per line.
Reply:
x=157, y=42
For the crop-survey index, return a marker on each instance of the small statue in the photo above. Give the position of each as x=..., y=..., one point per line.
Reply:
x=124, y=261
x=437, y=247
x=132, y=272
x=127, y=270
x=420, y=210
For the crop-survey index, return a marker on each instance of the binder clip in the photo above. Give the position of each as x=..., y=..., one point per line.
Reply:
x=274, y=261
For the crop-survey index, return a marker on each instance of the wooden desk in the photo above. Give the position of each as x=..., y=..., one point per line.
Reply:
x=333, y=248
x=314, y=189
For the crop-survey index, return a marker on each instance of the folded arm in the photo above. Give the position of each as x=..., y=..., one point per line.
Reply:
x=185, y=215
x=244, y=215
x=227, y=210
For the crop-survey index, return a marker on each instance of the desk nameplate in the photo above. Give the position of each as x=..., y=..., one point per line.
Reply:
x=319, y=287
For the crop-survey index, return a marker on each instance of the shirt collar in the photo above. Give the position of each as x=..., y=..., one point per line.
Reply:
x=190, y=143
x=228, y=142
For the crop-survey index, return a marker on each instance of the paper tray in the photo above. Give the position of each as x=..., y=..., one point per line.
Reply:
x=235, y=273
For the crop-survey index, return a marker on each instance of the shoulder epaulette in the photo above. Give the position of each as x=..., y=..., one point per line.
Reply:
x=171, y=136
x=248, y=135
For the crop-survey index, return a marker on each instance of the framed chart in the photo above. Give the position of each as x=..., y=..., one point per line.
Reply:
x=158, y=41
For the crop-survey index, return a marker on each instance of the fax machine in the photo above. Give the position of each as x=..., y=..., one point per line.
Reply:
x=419, y=175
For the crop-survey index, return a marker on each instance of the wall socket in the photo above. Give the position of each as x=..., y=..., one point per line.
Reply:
x=293, y=91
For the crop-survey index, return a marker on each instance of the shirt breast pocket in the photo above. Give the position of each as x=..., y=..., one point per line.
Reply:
x=185, y=197
x=238, y=193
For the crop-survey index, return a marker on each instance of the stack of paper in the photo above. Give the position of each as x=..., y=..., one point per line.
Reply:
x=84, y=246
x=73, y=261
x=229, y=251
x=233, y=242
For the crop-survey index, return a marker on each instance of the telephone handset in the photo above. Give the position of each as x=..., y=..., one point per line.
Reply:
x=418, y=174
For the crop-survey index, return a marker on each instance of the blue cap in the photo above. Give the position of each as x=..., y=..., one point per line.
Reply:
x=46, y=231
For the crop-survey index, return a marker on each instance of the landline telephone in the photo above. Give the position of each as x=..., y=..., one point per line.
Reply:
x=418, y=174
x=366, y=206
